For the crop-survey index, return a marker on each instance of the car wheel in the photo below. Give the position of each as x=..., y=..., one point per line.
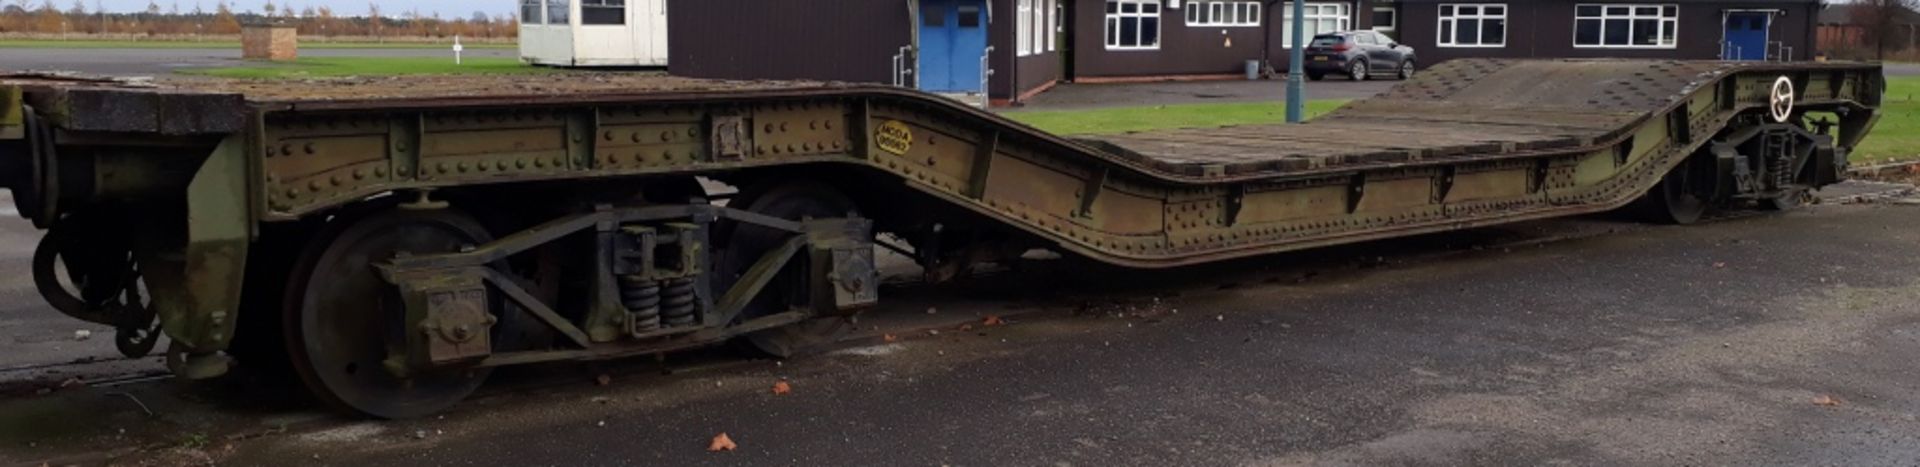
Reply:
x=1406, y=70
x=1357, y=71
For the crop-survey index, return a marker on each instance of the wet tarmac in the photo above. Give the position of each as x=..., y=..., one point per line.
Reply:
x=1780, y=339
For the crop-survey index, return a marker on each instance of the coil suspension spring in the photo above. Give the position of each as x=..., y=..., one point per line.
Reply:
x=677, y=302
x=642, y=300
x=1779, y=154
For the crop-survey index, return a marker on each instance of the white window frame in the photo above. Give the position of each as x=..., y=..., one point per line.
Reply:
x=1042, y=29
x=1023, y=27
x=1662, y=40
x=1224, y=13
x=1035, y=33
x=1119, y=15
x=1339, y=13
x=1391, y=11
x=1479, y=17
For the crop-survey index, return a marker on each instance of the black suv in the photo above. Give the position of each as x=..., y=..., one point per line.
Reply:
x=1359, y=55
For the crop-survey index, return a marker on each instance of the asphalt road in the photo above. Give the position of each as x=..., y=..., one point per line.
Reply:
x=1659, y=346
x=1763, y=340
x=155, y=62
x=1902, y=69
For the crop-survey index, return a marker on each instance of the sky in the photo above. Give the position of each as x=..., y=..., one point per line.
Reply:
x=446, y=8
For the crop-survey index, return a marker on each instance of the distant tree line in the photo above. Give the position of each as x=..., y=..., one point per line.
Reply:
x=1886, y=25
x=44, y=17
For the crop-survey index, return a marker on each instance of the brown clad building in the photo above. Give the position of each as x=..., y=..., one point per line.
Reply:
x=1012, y=49
x=1677, y=29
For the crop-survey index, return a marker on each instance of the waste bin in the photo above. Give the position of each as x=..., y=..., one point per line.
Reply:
x=1253, y=70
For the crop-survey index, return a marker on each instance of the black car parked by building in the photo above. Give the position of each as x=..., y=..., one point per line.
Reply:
x=1358, y=55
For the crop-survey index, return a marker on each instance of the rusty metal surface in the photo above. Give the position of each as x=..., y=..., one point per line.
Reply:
x=204, y=106
x=400, y=89
x=1463, y=108
x=410, y=87
x=1472, y=143
x=1473, y=108
x=1476, y=143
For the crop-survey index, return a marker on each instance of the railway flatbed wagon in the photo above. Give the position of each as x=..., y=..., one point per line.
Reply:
x=390, y=240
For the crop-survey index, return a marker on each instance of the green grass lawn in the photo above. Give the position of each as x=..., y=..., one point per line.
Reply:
x=226, y=44
x=321, y=67
x=1124, y=119
x=1897, y=135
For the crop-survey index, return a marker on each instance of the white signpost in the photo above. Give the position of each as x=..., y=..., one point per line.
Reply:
x=457, y=48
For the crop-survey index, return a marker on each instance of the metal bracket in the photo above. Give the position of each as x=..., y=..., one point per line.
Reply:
x=843, y=255
x=1622, y=152
x=1680, y=125
x=982, y=164
x=1356, y=190
x=1443, y=185
x=1096, y=182
x=732, y=137
x=1236, y=199
x=1537, y=181
x=448, y=317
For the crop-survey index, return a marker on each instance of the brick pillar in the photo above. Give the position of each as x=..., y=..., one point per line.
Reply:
x=269, y=42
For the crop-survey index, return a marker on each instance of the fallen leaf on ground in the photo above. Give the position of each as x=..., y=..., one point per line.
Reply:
x=992, y=320
x=966, y=327
x=782, y=387
x=1825, y=400
x=721, y=443
x=1719, y=264
x=603, y=380
x=889, y=338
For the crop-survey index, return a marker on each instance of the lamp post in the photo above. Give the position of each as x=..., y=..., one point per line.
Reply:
x=1296, y=60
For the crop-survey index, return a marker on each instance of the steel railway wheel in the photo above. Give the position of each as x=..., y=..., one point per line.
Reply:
x=747, y=242
x=344, y=323
x=1684, y=194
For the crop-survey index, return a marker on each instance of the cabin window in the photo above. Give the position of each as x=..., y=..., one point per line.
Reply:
x=1133, y=24
x=1626, y=26
x=1473, y=25
x=1225, y=14
x=559, y=11
x=1386, y=19
x=1321, y=18
x=532, y=12
x=603, y=11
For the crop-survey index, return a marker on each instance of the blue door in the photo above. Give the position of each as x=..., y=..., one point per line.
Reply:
x=953, y=35
x=1746, y=36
